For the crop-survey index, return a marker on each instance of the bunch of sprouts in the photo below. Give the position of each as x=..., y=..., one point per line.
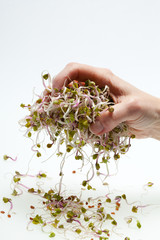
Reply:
x=66, y=115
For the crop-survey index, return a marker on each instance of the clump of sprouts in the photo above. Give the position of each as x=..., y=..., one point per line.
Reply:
x=66, y=115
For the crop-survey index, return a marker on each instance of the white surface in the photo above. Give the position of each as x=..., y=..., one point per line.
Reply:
x=37, y=35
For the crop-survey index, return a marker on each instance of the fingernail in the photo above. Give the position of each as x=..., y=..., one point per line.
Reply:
x=96, y=127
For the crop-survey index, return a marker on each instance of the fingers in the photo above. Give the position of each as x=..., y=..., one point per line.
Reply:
x=82, y=72
x=107, y=120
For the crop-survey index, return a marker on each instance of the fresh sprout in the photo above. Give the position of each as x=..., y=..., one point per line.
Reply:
x=8, y=200
x=150, y=184
x=6, y=157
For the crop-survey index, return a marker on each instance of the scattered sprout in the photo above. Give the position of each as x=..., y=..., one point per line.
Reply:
x=6, y=200
x=5, y=157
x=150, y=184
x=134, y=209
x=138, y=224
x=78, y=231
x=52, y=234
x=31, y=190
x=14, y=193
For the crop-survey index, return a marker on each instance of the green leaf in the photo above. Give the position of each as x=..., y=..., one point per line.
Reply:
x=45, y=76
x=37, y=220
x=109, y=217
x=70, y=214
x=61, y=226
x=14, y=193
x=78, y=231
x=22, y=105
x=38, y=154
x=6, y=200
x=47, y=196
x=84, y=183
x=124, y=196
x=5, y=157
x=52, y=234
x=83, y=210
x=89, y=187
x=15, y=179
x=134, y=209
x=31, y=190
x=138, y=224
x=29, y=134
x=95, y=156
x=114, y=222
x=97, y=166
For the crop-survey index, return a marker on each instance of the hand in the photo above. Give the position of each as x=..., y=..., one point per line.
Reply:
x=139, y=110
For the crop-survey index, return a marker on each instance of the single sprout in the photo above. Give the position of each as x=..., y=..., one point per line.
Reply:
x=52, y=234
x=124, y=196
x=129, y=220
x=84, y=183
x=29, y=134
x=22, y=105
x=45, y=76
x=31, y=190
x=138, y=224
x=41, y=175
x=150, y=184
x=49, y=145
x=6, y=200
x=5, y=157
x=38, y=154
x=114, y=222
x=15, y=179
x=78, y=231
x=134, y=209
x=14, y=193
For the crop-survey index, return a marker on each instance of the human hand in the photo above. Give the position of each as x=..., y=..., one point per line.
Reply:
x=139, y=110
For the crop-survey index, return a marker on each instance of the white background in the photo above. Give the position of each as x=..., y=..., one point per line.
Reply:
x=36, y=35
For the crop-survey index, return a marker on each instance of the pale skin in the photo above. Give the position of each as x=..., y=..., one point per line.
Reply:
x=140, y=110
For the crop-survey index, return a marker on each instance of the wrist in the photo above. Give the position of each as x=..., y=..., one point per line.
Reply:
x=156, y=126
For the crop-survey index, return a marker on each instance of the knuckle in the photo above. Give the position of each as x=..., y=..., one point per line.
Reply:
x=71, y=65
x=108, y=72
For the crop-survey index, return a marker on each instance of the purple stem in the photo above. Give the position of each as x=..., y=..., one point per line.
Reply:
x=23, y=185
x=77, y=221
x=11, y=205
x=13, y=159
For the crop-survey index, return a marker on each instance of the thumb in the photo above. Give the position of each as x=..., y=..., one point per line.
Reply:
x=109, y=120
